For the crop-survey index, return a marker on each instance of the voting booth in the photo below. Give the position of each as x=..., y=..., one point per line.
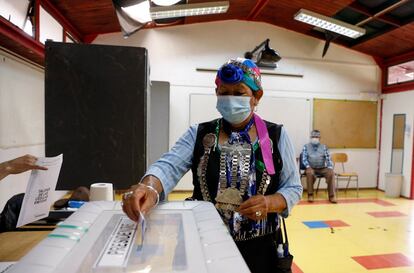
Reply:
x=180, y=237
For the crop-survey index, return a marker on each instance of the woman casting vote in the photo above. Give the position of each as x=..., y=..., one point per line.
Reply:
x=242, y=164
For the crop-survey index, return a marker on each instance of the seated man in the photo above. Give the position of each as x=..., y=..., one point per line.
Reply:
x=316, y=159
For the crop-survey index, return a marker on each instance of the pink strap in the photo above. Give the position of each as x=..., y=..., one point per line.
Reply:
x=265, y=145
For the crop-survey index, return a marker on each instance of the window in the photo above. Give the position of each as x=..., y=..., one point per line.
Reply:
x=18, y=13
x=400, y=73
x=49, y=28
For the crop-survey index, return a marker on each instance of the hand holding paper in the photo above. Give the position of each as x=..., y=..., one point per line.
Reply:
x=38, y=197
x=19, y=165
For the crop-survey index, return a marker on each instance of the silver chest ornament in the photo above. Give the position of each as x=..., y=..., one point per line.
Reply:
x=229, y=199
x=234, y=158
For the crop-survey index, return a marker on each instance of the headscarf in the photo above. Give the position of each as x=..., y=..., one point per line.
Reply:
x=240, y=70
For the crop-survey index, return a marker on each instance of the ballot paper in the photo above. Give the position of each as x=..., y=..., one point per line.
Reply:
x=39, y=192
x=141, y=227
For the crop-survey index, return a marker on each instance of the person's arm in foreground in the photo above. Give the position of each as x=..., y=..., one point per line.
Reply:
x=19, y=165
x=161, y=177
x=290, y=188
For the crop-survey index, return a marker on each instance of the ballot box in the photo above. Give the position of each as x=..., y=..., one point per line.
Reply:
x=186, y=236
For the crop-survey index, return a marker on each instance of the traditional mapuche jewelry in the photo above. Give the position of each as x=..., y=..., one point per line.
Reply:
x=151, y=188
x=264, y=183
x=229, y=199
x=209, y=141
x=233, y=182
x=127, y=195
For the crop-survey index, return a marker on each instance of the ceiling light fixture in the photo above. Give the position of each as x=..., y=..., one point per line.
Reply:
x=132, y=15
x=189, y=10
x=135, y=14
x=165, y=2
x=139, y=12
x=329, y=23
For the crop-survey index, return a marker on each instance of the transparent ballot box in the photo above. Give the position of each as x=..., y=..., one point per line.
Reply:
x=99, y=238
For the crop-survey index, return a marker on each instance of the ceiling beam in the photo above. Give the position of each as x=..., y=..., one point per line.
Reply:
x=66, y=24
x=87, y=39
x=36, y=20
x=383, y=11
x=408, y=56
x=365, y=38
x=20, y=37
x=28, y=46
x=371, y=15
x=379, y=16
x=260, y=5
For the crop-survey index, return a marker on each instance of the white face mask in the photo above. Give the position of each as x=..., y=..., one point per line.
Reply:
x=315, y=140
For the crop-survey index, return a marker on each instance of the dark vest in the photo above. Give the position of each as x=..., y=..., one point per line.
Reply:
x=213, y=168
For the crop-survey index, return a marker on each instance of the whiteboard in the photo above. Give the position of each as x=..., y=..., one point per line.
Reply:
x=293, y=113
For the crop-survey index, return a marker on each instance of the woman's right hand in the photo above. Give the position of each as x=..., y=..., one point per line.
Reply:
x=141, y=198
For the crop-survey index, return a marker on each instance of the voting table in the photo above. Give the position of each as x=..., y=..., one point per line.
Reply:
x=185, y=236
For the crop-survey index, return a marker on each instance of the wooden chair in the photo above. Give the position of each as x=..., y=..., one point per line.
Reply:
x=342, y=158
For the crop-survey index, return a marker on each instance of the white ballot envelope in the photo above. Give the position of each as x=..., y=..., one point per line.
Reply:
x=39, y=192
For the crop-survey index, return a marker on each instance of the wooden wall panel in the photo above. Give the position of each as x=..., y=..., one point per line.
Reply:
x=346, y=124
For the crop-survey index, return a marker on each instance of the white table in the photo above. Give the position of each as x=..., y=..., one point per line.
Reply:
x=180, y=237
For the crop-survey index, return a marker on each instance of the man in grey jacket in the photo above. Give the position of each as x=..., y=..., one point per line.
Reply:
x=316, y=159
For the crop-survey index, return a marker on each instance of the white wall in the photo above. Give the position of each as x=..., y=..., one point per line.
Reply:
x=21, y=118
x=176, y=52
x=22, y=102
x=397, y=103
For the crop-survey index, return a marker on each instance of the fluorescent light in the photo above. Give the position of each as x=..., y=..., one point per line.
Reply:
x=329, y=23
x=139, y=12
x=189, y=10
x=165, y=2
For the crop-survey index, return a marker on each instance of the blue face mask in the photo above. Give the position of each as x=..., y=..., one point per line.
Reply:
x=234, y=109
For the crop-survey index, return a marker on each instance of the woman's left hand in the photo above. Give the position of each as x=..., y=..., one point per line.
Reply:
x=255, y=208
